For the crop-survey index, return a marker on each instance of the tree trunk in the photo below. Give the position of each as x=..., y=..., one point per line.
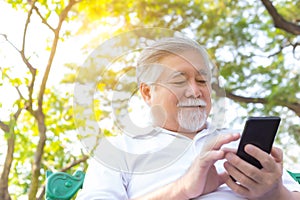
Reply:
x=4, y=194
x=36, y=166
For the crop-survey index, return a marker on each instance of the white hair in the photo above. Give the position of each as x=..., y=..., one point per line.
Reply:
x=148, y=68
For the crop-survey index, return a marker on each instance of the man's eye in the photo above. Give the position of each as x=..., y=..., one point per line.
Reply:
x=178, y=82
x=201, y=81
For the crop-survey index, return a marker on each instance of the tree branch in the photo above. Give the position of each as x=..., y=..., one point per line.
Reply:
x=44, y=21
x=294, y=106
x=279, y=21
x=62, y=17
x=74, y=163
x=17, y=87
x=4, y=194
x=294, y=49
x=282, y=46
x=6, y=39
x=10, y=130
x=32, y=70
x=25, y=60
x=4, y=127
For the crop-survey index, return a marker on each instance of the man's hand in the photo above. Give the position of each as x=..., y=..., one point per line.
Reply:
x=254, y=183
x=202, y=176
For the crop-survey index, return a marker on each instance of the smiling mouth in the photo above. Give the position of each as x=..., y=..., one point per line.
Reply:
x=196, y=106
x=192, y=103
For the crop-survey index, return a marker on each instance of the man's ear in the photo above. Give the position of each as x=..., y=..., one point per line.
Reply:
x=145, y=91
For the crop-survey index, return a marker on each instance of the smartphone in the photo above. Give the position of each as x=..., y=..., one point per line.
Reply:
x=261, y=132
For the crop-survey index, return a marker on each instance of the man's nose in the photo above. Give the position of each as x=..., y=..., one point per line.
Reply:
x=193, y=90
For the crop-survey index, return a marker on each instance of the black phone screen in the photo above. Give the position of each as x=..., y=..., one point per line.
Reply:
x=259, y=131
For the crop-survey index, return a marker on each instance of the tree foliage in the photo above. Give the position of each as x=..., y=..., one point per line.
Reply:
x=255, y=45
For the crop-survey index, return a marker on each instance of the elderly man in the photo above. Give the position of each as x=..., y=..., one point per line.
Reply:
x=182, y=157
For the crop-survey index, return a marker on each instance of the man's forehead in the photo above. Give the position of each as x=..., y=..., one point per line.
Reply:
x=177, y=72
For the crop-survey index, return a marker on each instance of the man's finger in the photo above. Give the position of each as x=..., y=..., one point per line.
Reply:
x=224, y=139
x=237, y=188
x=229, y=150
x=263, y=157
x=223, y=177
x=210, y=157
x=277, y=154
x=243, y=167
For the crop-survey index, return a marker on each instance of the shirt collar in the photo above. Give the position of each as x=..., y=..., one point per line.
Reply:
x=204, y=132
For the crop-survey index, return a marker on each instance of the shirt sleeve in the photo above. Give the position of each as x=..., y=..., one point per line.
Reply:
x=101, y=182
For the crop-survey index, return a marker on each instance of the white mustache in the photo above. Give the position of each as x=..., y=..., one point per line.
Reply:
x=191, y=103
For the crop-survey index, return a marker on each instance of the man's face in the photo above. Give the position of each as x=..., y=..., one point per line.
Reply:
x=181, y=97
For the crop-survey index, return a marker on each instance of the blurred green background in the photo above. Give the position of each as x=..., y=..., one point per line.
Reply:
x=255, y=45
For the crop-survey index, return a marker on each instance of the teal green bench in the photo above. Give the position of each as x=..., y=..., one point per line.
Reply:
x=62, y=186
x=296, y=176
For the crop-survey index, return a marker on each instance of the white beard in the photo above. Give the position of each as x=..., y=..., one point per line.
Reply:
x=191, y=120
